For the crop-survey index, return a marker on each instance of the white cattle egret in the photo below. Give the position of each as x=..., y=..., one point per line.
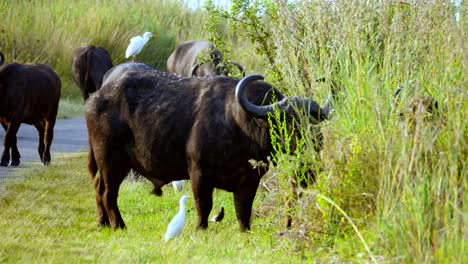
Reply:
x=219, y=217
x=177, y=223
x=136, y=45
x=178, y=185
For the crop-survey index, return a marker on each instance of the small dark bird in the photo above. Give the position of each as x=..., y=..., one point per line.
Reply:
x=219, y=217
x=396, y=97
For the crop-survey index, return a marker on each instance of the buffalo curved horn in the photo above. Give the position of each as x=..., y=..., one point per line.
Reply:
x=256, y=110
x=241, y=69
x=287, y=104
x=195, y=68
x=2, y=58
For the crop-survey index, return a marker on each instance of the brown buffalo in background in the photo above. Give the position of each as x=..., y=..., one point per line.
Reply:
x=29, y=93
x=198, y=58
x=89, y=65
x=170, y=128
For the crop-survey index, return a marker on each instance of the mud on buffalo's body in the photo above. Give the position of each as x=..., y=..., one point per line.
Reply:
x=169, y=128
x=89, y=65
x=29, y=93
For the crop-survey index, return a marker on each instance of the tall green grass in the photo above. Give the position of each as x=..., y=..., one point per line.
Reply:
x=401, y=180
x=389, y=188
x=50, y=31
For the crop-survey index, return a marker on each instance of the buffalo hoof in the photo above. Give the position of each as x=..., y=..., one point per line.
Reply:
x=4, y=163
x=202, y=227
x=15, y=163
x=157, y=191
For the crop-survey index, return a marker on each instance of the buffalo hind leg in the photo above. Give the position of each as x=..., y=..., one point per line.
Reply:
x=9, y=143
x=41, y=132
x=203, y=196
x=103, y=218
x=49, y=135
x=243, y=200
x=112, y=177
x=157, y=185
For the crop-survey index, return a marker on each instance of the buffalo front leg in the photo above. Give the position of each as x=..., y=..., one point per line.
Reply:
x=15, y=155
x=9, y=143
x=289, y=202
x=243, y=200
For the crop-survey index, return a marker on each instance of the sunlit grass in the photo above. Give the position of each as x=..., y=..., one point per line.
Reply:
x=401, y=185
x=50, y=216
x=70, y=108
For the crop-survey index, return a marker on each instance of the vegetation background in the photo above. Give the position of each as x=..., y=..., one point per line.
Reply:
x=390, y=188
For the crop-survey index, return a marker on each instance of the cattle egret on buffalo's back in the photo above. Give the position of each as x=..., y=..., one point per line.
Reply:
x=136, y=45
x=177, y=223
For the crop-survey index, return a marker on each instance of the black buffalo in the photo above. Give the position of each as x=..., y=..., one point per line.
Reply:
x=169, y=128
x=198, y=58
x=29, y=93
x=89, y=65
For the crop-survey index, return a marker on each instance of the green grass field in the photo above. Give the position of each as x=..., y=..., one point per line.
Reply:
x=49, y=216
x=390, y=188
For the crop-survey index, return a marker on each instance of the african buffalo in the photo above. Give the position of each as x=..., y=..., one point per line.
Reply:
x=198, y=58
x=89, y=65
x=171, y=128
x=425, y=107
x=2, y=58
x=29, y=93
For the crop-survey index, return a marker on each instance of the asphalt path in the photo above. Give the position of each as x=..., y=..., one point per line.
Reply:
x=70, y=136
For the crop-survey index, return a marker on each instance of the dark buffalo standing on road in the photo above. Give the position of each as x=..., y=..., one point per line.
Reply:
x=89, y=65
x=198, y=58
x=29, y=93
x=170, y=128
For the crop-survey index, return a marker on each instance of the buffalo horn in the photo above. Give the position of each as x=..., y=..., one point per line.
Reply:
x=195, y=68
x=285, y=105
x=256, y=110
x=241, y=69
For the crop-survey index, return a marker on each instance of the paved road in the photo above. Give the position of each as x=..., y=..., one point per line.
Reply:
x=70, y=135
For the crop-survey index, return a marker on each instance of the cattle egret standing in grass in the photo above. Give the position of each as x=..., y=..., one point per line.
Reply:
x=177, y=223
x=136, y=45
x=178, y=185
